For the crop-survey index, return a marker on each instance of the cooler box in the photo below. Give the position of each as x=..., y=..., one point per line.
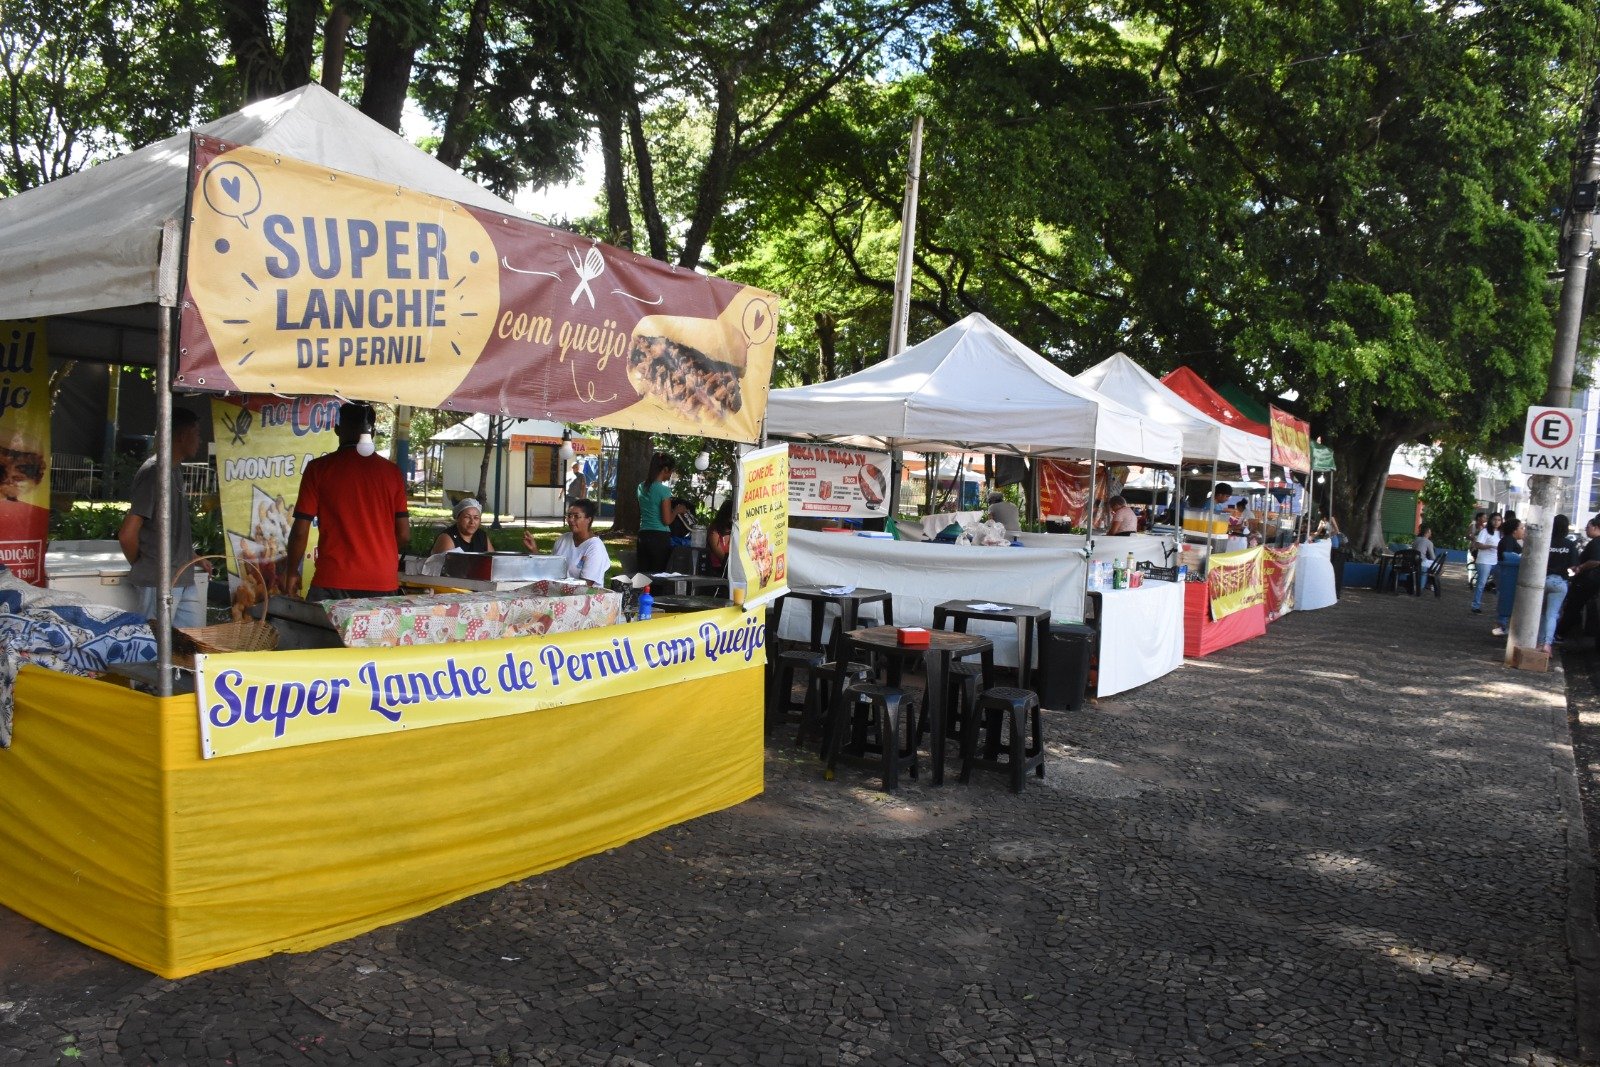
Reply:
x=97, y=569
x=1204, y=525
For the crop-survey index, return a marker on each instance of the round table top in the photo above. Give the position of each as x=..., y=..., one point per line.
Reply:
x=938, y=640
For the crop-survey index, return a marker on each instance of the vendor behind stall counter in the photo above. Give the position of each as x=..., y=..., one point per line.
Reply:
x=358, y=501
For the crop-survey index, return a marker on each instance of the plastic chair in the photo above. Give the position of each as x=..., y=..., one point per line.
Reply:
x=1435, y=572
x=1407, y=566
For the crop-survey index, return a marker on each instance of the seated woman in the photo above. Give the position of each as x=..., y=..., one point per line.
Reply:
x=467, y=532
x=1123, y=519
x=584, y=552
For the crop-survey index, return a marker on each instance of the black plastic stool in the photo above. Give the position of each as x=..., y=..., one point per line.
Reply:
x=822, y=691
x=960, y=697
x=996, y=710
x=781, y=705
x=867, y=705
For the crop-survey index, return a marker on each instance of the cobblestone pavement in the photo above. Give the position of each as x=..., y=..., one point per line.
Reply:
x=1347, y=842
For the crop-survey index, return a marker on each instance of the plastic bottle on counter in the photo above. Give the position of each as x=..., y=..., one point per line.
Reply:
x=647, y=604
x=1119, y=576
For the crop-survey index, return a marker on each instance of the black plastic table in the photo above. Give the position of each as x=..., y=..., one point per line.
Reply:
x=943, y=646
x=1033, y=625
x=849, y=605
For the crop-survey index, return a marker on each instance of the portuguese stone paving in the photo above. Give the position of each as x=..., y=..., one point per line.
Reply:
x=1347, y=842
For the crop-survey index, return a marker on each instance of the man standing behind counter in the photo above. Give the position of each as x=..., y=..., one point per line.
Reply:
x=138, y=539
x=358, y=501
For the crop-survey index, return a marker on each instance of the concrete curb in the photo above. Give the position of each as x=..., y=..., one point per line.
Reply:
x=1583, y=938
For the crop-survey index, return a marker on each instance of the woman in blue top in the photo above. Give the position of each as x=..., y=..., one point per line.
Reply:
x=655, y=514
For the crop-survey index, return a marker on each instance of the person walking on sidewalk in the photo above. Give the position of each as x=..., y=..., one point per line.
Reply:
x=1486, y=553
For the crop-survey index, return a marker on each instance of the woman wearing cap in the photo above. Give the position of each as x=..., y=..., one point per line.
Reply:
x=467, y=532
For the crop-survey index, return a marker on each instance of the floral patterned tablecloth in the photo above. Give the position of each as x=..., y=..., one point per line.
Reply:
x=530, y=611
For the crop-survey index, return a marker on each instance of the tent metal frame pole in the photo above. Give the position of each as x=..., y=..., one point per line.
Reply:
x=1088, y=533
x=167, y=349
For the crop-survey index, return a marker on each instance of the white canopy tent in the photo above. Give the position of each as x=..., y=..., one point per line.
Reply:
x=85, y=248
x=1204, y=438
x=971, y=387
x=89, y=251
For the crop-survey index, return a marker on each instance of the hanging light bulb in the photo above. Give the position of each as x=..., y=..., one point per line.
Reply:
x=702, y=461
x=567, y=452
x=365, y=447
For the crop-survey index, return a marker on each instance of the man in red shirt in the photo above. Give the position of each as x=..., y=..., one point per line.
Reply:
x=358, y=501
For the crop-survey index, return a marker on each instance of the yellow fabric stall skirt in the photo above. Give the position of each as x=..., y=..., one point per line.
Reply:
x=115, y=832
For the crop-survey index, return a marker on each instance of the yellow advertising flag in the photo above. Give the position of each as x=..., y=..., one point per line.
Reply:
x=761, y=526
x=1236, y=581
x=263, y=446
x=262, y=701
x=24, y=448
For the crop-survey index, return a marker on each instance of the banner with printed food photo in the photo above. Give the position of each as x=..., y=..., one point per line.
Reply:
x=837, y=481
x=761, y=526
x=262, y=701
x=1235, y=581
x=24, y=448
x=302, y=280
x=263, y=446
x=1280, y=564
x=1291, y=441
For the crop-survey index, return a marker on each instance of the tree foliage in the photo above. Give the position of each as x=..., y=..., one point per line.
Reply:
x=1449, y=496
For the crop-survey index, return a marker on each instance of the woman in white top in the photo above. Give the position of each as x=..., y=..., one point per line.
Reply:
x=584, y=552
x=1486, y=553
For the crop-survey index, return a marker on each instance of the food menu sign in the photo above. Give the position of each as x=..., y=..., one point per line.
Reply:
x=840, y=482
x=263, y=446
x=304, y=280
x=761, y=526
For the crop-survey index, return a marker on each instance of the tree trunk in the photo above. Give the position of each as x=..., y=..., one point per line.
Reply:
x=1358, y=491
x=633, y=463
x=712, y=190
x=655, y=228
x=249, y=33
x=619, y=218
x=826, y=341
x=335, y=38
x=299, y=42
x=489, y=443
x=454, y=141
x=391, y=50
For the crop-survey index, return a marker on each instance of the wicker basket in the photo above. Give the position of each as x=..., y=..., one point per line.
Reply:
x=240, y=635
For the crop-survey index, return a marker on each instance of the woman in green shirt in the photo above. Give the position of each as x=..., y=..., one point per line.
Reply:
x=655, y=514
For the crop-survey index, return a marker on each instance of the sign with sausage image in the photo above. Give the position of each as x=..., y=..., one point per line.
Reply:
x=304, y=280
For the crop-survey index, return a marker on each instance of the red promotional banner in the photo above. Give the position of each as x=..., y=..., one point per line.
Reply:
x=1291, y=442
x=1064, y=491
x=1281, y=563
x=24, y=448
x=301, y=280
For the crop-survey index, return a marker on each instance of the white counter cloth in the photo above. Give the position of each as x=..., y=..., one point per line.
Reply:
x=1141, y=635
x=1047, y=572
x=1313, y=579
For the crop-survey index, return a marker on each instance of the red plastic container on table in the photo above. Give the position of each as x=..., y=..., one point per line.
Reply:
x=913, y=636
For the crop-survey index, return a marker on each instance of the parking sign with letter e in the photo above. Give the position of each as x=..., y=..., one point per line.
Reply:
x=1551, y=442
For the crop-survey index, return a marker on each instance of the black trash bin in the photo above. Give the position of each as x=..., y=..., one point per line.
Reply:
x=1064, y=665
x=1338, y=557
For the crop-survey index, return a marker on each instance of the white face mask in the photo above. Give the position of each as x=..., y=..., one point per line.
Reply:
x=365, y=447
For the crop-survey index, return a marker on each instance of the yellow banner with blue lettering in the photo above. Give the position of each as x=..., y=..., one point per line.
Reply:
x=262, y=701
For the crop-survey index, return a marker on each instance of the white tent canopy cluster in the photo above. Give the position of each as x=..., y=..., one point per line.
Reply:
x=972, y=387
